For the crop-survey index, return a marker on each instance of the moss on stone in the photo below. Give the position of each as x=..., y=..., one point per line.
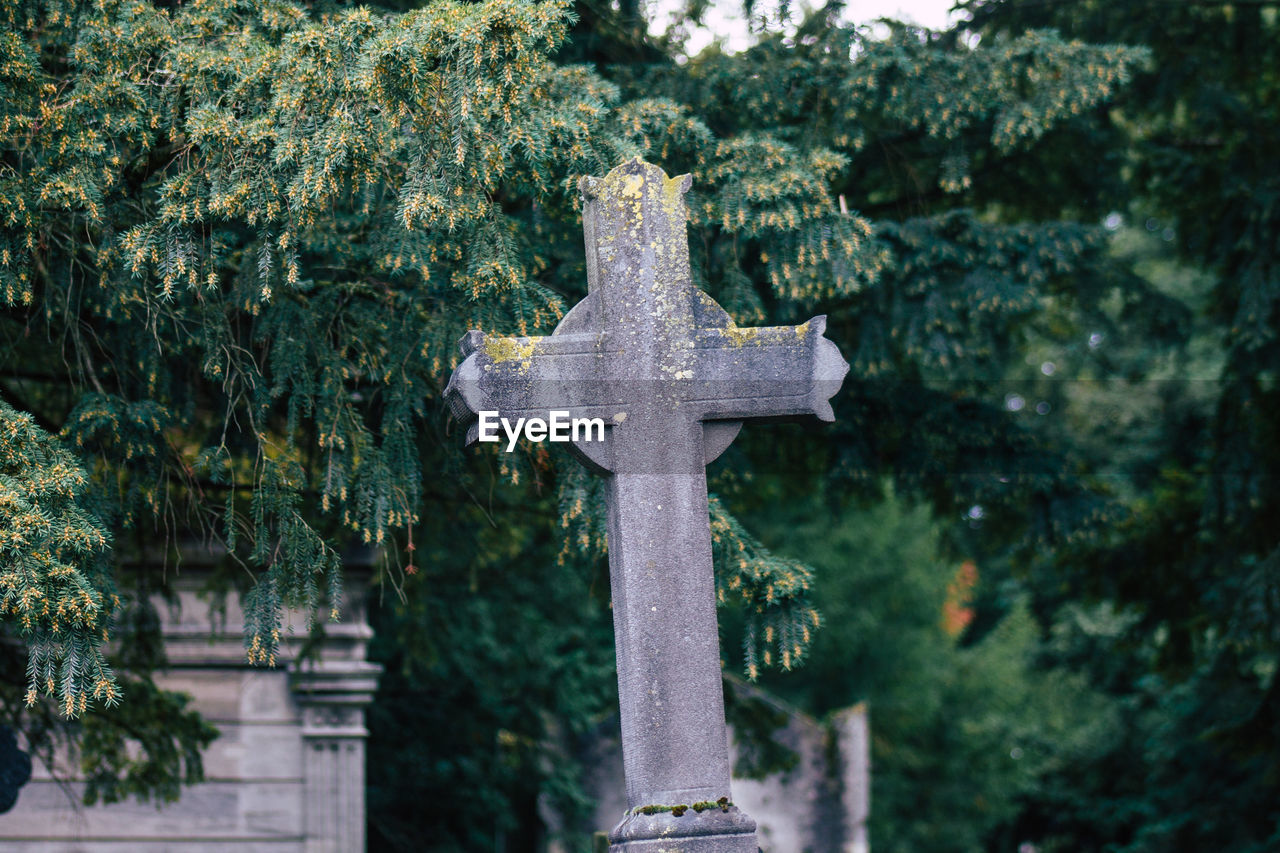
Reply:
x=723, y=804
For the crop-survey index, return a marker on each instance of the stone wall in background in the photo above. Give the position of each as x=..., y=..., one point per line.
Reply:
x=286, y=774
x=819, y=805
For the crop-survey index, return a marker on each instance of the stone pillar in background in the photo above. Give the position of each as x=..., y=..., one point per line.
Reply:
x=332, y=695
x=853, y=743
x=818, y=804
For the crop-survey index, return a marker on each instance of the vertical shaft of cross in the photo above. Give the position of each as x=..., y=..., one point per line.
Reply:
x=675, y=747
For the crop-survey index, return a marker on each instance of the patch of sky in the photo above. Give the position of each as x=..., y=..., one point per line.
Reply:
x=726, y=22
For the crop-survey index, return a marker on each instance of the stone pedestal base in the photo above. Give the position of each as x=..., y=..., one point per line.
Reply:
x=711, y=831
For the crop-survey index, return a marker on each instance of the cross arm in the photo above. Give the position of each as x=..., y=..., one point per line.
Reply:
x=523, y=377
x=776, y=371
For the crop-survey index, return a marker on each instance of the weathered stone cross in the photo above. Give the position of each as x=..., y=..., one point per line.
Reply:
x=673, y=378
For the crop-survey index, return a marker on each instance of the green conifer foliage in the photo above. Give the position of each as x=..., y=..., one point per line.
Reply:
x=774, y=592
x=183, y=176
x=312, y=206
x=1186, y=589
x=52, y=583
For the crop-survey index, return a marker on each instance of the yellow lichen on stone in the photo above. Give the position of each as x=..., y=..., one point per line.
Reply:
x=501, y=350
x=631, y=186
x=673, y=197
x=740, y=337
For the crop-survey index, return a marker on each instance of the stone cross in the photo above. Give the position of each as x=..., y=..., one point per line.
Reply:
x=673, y=378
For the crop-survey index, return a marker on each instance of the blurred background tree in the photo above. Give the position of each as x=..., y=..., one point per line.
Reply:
x=1191, y=577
